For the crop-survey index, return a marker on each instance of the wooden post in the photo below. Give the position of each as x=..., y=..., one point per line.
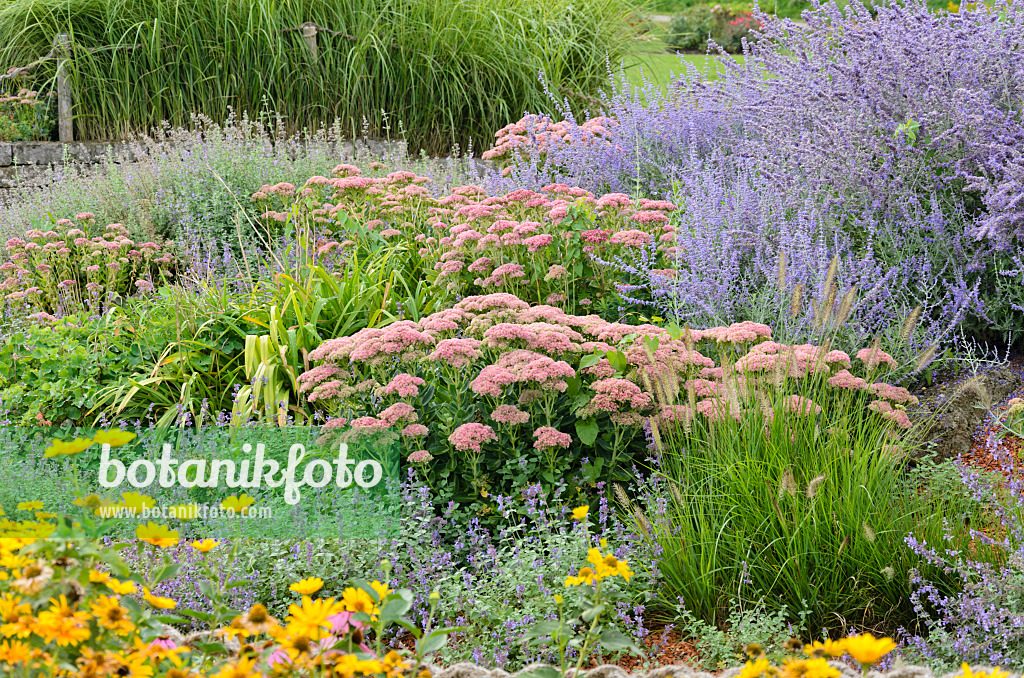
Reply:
x=65, y=124
x=309, y=35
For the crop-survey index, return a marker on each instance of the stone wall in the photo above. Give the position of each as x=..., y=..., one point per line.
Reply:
x=27, y=164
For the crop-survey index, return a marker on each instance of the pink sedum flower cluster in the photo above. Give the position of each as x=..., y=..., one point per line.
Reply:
x=79, y=265
x=471, y=243
x=471, y=437
x=498, y=363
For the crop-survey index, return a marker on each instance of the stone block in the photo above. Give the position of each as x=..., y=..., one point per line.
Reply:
x=36, y=152
x=952, y=412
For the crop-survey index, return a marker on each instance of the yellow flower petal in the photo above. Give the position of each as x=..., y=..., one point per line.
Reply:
x=307, y=587
x=114, y=437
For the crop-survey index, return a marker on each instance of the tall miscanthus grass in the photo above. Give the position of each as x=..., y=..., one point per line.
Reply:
x=797, y=496
x=450, y=70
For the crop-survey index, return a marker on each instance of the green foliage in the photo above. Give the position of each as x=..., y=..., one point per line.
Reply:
x=53, y=372
x=725, y=25
x=206, y=344
x=194, y=342
x=25, y=117
x=450, y=70
x=800, y=512
x=783, y=8
x=720, y=648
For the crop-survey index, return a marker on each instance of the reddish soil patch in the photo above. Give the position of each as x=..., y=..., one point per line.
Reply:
x=662, y=649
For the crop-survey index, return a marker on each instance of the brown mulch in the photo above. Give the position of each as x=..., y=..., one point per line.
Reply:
x=661, y=649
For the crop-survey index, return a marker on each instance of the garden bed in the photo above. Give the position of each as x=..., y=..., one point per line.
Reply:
x=660, y=385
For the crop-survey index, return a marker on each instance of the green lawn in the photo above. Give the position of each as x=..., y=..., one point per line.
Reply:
x=659, y=67
x=652, y=60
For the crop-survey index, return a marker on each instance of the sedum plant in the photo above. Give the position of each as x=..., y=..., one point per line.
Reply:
x=544, y=247
x=493, y=392
x=80, y=266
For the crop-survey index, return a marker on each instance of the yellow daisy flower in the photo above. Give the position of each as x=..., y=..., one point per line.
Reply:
x=866, y=649
x=157, y=535
x=205, y=546
x=307, y=587
x=157, y=601
x=114, y=437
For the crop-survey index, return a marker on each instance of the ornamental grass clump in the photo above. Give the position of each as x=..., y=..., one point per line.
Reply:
x=541, y=246
x=450, y=72
x=781, y=479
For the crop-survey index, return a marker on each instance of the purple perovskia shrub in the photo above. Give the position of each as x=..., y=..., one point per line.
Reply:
x=893, y=141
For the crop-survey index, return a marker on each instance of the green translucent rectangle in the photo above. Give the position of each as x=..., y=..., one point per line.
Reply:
x=339, y=483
